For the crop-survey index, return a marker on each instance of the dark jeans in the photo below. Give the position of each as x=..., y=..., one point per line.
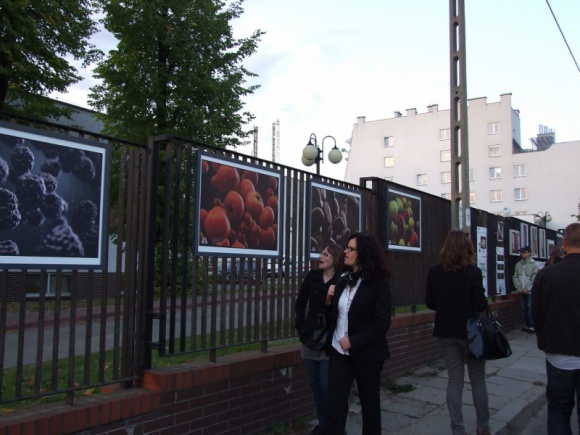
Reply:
x=526, y=304
x=563, y=386
x=317, y=372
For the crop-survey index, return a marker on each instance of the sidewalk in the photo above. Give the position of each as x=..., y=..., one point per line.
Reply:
x=516, y=389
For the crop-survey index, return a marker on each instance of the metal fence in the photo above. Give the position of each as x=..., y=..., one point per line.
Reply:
x=64, y=333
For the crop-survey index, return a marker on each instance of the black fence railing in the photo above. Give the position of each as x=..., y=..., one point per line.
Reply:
x=65, y=332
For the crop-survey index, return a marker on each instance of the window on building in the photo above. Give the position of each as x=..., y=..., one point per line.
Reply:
x=421, y=179
x=472, y=175
x=445, y=155
x=493, y=128
x=495, y=196
x=389, y=162
x=389, y=141
x=34, y=285
x=494, y=173
x=472, y=197
x=445, y=134
x=520, y=170
x=389, y=178
x=494, y=151
x=446, y=195
x=520, y=194
x=446, y=177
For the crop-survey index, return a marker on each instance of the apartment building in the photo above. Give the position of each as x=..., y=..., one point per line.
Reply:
x=507, y=176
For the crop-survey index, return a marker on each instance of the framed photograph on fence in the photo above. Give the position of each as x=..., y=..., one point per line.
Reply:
x=403, y=221
x=542, y=243
x=534, y=241
x=514, y=242
x=524, y=235
x=239, y=207
x=53, y=200
x=334, y=214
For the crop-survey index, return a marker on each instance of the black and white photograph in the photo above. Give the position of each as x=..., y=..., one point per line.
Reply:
x=54, y=201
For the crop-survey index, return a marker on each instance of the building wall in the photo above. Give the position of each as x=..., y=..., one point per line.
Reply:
x=552, y=182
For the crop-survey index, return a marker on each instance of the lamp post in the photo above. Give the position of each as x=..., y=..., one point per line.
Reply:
x=542, y=218
x=312, y=153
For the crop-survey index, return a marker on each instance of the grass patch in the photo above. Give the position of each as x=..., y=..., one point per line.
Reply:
x=395, y=388
x=298, y=425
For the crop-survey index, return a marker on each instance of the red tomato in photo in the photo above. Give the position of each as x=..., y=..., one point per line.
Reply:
x=273, y=183
x=204, y=167
x=225, y=179
x=256, y=230
x=250, y=175
x=245, y=187
x=266, y=217
x=273, y=203
x=234, y=205
x=217, y=226
x=202, y=215
x=254, y=204
x=238, y=245
x=225, y=243
x=268, y=239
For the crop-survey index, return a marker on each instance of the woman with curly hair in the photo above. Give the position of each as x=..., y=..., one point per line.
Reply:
x=361, y=316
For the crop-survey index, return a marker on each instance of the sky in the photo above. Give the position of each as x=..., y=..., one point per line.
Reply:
x=323, y=63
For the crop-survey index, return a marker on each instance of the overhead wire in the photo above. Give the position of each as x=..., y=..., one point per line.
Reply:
x=562, y=33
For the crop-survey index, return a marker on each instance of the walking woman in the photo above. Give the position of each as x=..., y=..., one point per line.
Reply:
x=455, y=291
x=310, y=303
x=361, y=316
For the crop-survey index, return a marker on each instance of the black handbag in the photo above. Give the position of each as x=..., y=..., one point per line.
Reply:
x=485, y=337
x=318, y=339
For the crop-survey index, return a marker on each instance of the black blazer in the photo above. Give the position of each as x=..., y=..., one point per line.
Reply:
x=312, y=295
x=455, y=296
x=556, y=306
x=369, y=319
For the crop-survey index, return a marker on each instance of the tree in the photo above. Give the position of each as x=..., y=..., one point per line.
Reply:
x=35, y=38
x=177, y=70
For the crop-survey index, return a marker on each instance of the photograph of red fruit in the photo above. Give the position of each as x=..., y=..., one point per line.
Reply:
x=335, y=214
x=514, y=242
x=403, y=221
x=53, y=201
x=239, y=208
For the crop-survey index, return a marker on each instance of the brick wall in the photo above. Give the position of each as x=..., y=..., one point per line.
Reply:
x=241, y=394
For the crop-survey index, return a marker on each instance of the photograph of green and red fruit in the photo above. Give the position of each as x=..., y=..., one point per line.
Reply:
x=403, y=221
x=238, y=207
x=335, y=214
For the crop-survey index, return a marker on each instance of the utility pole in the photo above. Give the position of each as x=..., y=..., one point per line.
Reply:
x=460, y=213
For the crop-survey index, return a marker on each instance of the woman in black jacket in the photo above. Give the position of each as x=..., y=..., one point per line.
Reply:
x=455, y=291
x=361, y=316
x=310, y=303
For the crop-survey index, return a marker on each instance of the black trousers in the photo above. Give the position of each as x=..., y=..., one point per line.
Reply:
x=343, y=370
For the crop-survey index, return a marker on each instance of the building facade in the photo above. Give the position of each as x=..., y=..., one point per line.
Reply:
x=506, y=178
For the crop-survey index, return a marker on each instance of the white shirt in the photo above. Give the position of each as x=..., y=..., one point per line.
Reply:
x=341, y=329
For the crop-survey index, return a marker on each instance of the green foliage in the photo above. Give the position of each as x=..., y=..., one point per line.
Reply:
x=37, y=40
x=395, y=388
x=176, y=70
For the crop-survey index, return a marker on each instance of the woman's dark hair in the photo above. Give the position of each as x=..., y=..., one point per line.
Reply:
x=337, y=253
x=371, y=257
x=457, y=251
x=555, y=254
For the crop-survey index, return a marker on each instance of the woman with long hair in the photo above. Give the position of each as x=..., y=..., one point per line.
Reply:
x=309, y=304
x=361, y=316
x=555, y=255
x=455, y=291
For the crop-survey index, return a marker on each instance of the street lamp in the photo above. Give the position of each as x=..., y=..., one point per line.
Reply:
x=541, y=218
x=312, y=153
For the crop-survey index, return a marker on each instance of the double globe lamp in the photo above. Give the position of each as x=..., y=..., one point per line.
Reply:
x=312, y=154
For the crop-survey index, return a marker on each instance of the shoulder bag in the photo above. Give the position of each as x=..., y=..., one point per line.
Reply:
x=318, y=339
x=485, y=337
